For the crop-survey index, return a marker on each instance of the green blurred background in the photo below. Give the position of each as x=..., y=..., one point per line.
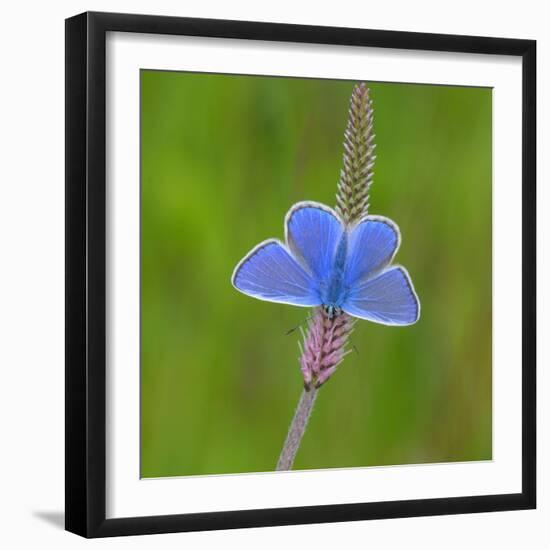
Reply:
x=223, y=159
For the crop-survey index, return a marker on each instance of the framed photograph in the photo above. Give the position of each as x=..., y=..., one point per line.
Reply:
x=300, y=274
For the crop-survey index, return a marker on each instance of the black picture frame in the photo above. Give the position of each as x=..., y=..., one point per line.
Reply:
x=86, y=274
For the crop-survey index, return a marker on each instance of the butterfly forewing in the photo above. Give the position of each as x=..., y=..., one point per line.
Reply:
x=269, y=272
x=388, y=298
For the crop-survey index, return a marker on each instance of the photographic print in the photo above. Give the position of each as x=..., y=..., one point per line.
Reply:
x=316, y=274
x=301, y=267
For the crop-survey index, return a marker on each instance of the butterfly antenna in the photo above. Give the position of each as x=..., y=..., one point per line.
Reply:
x=297, y=326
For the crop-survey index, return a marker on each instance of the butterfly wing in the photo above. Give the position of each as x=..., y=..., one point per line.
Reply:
x=270, y=273
x=373, y=243
x=313, y=232
x=388, y=298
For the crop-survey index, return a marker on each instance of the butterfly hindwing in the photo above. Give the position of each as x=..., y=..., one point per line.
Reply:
x=313, y=232
x=373, y=243
x=269, y=272
x=388, y=298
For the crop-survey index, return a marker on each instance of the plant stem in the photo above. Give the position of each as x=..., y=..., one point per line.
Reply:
x=297, y=429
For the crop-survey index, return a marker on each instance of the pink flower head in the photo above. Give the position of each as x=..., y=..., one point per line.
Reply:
x=324, y=346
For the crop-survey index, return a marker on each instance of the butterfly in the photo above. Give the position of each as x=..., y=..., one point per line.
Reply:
x=325, y=263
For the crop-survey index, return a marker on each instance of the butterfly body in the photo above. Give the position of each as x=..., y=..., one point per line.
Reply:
x=333, y=293
x=332, y=311
x=326, y=263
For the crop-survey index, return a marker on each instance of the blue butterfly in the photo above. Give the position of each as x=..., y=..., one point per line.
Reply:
x=324, y=263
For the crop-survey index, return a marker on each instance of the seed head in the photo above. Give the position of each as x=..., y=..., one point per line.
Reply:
x=352, y=197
